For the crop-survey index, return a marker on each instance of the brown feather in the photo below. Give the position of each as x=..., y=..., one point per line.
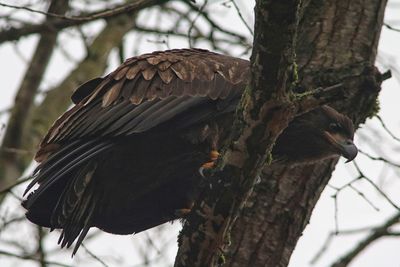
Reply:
x=127, y=155
x=154, y=60
x=121, y=73
x=193, y=72
x=132, y=72
x=163, y=66
x=148, y=73
x=180, y=70
x=112, y=94
x=166, y=75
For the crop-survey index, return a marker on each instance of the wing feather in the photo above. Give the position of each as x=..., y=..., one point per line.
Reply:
x=151, y=84
x=163, y=91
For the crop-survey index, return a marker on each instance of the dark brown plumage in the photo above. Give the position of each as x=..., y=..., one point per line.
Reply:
x=126, y=157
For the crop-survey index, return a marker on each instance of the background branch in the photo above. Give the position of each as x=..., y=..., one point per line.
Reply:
x=65, y=21
x=20, y=117
x=376, y=233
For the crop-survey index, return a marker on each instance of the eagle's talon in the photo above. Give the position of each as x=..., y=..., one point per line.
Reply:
x=201, y=171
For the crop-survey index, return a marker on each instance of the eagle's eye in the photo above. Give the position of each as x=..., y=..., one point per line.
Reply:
x=335, y=127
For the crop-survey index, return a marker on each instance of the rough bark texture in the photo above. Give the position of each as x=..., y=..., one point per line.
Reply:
x=267, y=106
x=265, y=110
x=337, y=43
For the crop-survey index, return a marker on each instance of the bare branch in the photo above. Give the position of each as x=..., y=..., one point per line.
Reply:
x=94, y=256
x=212, y=23
x=57, y=25
x=103, y=14
x=217, y=41
x=391, y=27
x=380, y=159
x=20, y=118
x=40, y=249
x=362, y=195
x=375, y=234
x=241, y=16
x=10, y=187
x=32, y=258
x=199, y=12
x=386, y=128
x=383, y=194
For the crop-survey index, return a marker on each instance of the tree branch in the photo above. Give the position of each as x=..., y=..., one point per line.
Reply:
x=63, y=22
x=57, y=99
x=375, y=234
x=20, y=118
x=32, y=258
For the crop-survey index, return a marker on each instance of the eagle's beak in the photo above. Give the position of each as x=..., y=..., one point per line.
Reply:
x=349, y=150
x=345, y=147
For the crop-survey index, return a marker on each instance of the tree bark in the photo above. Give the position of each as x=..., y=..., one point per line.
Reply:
x=337, y=43
x=266, y=108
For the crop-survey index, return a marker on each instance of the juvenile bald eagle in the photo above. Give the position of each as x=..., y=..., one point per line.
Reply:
x=126, y=157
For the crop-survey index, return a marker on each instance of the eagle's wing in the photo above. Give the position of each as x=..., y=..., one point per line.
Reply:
x=144, y=92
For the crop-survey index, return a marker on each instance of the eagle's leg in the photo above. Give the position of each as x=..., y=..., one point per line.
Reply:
x=185, y=211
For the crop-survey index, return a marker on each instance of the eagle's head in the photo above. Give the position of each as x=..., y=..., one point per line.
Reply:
x=318, y=134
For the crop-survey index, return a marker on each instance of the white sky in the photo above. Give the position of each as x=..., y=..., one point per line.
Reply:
x=354, y=211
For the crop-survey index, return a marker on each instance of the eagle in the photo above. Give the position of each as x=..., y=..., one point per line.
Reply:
x=127, y=156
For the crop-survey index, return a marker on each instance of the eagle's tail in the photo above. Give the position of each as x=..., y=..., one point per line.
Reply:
x=66, y=192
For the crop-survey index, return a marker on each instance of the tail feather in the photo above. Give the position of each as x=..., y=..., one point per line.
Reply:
x=52, y=163
x=66, y=196
x=66, y=168
x=78, y=209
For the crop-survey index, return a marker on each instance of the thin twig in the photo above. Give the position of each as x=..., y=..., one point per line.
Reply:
x=375, y=234
x=198, y=36
x=379, y=159
x=332, y=235
x=361, y=194
x=199, y=12
x=94, y=256
x=375, y=186
x=10, y=187
x=108, y=12
x=386, y=128
x=5, y=223
x=15, y=33
x=335, y=199
x=213, y=24
x=391, y=27
x=241, y=17
x=41, y=252
x=19, y=151
x=32, y=258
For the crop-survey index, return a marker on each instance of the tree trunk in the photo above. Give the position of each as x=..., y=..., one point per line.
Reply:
x=337, y=42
